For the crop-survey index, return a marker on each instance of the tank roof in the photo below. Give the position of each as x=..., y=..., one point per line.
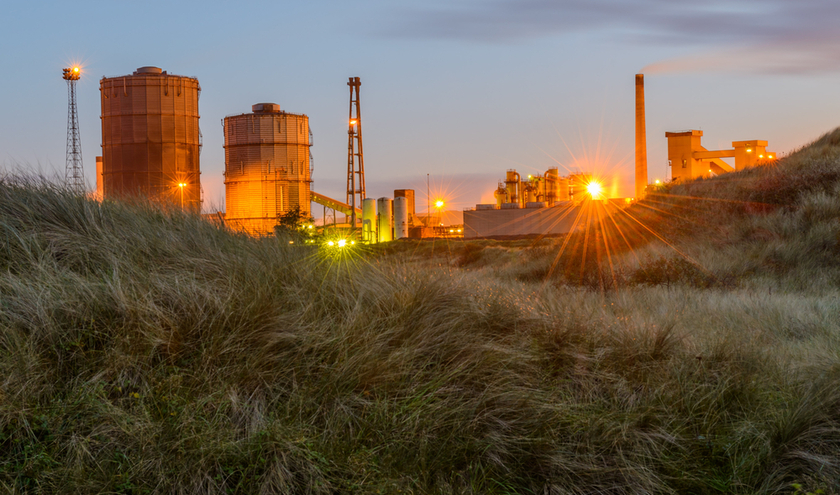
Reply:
x=265, y=108
x=148, y=70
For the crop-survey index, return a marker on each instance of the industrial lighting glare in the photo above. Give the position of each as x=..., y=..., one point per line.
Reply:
x=341, y=243
x=749, y=150
x=439, y=203
x=330, y=243
x=594, y=189
x=657, y=181
x=352, y=122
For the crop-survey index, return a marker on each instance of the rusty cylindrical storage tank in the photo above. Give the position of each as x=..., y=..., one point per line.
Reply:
x=267, y=167
x=150, y=137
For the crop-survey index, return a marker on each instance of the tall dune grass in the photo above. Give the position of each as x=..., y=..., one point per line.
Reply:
x=144, y=350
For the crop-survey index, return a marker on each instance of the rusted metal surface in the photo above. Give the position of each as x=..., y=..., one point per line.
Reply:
x=150, y=137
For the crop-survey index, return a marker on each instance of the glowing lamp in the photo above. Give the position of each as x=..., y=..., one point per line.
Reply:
x=341, y=243
x=439, y=204
x=594, y=189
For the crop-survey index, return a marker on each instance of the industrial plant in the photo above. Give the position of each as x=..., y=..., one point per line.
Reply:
x=151, y=146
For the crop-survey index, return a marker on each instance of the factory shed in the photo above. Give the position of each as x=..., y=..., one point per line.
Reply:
x=487, y=221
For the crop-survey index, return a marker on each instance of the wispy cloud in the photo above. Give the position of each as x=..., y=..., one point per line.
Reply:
x=779, y=36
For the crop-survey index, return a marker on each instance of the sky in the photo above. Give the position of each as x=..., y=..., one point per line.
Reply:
x=461, y=90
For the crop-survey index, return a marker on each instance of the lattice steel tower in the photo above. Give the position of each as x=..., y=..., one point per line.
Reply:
x=74, y=171
x=355, y=155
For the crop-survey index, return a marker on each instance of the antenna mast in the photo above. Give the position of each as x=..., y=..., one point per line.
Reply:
x=355, y=154
x=74, y=170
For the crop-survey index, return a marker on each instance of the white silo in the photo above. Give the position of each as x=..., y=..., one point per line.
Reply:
x=400, y=218
x=383, y=209
x=369, y=220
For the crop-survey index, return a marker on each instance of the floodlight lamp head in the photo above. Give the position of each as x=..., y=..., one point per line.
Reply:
x=71, y=73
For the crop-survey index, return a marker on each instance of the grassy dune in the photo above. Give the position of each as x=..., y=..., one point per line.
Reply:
x=146, y=351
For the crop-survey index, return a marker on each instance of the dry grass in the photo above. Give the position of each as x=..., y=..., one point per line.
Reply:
x=146, y=351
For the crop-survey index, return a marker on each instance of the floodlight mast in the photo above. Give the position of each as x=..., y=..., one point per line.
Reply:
x=74, y=168
x=355, y=153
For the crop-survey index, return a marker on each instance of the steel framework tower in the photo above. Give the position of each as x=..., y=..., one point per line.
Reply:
x=355, y=154
x=73, y=171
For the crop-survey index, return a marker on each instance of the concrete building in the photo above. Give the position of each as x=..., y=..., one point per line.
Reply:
x=690, y=160
x=487, y=221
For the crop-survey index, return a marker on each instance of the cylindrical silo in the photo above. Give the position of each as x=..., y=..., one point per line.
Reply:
x=563, y=189
x=369, y=220
x=501, y=195
x=383, y=210
x=267, y=164
x=400, y=218
x=551, y=177
x=513, y=185
x=150, y=137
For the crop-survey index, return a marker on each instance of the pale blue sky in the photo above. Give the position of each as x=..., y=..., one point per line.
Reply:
x=462, y=90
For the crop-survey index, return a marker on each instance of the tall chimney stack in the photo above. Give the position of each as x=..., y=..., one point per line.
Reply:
x=641, y=139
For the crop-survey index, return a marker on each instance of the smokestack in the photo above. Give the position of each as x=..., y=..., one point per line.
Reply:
x=641, y=139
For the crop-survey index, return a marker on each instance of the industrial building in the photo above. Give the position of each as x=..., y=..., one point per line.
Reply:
x=690, y=160
x=535, y=205
x=151, y=141
x=267, y=167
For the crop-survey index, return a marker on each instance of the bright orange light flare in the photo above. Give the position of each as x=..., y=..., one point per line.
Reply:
x=352, y=122
x=439, y=204
x=75, y=69
x=594, y=189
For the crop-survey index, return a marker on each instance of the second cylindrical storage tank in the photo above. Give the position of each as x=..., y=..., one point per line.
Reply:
x=551, y=176
x=150, y=137
x=369, y=220
x=400, y=218
x=383, y=210
x=267, y=164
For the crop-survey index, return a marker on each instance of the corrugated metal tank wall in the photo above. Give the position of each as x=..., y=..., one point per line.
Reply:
x=267, y=167
x=150, y=136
